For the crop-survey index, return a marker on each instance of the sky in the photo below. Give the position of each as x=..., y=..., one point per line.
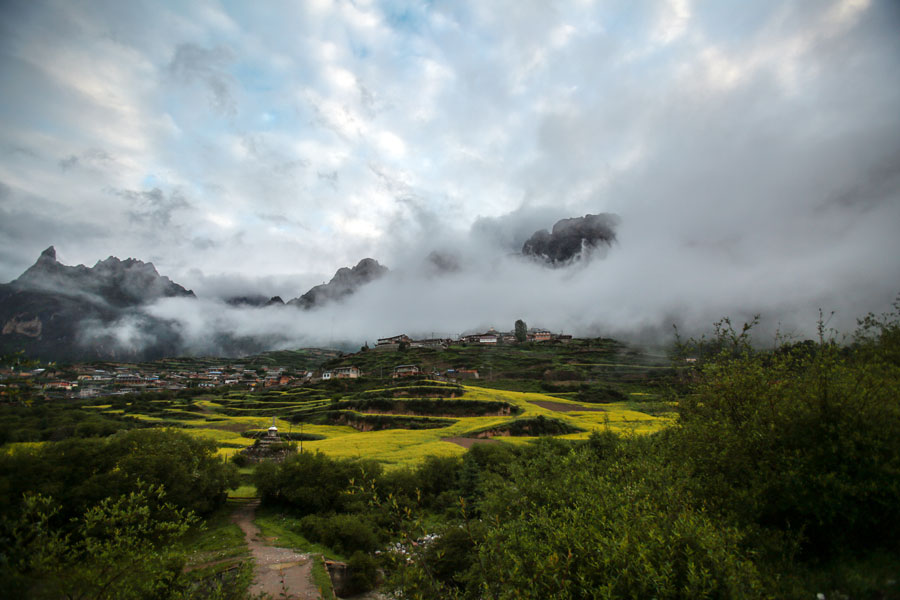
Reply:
x=750, y=149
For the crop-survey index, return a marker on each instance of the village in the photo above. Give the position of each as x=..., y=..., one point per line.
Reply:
x=90, y=380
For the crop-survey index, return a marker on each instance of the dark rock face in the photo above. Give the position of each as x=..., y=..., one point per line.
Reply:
x=247, y=301
x=344, y=283
x=572, y=239
x=117, y=282
x=58, y=312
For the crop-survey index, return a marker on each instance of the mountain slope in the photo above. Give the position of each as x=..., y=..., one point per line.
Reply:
x=344, y=283
x=59, y=312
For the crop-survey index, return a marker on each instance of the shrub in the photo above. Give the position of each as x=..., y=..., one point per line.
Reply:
x=344, y=533
x=311, y=482
x=804, y=442
x=363, y=573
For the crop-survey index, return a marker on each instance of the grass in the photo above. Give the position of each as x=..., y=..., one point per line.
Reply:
x=243, y=491
x=321, y=578
x=286, y=531
x=216, y=540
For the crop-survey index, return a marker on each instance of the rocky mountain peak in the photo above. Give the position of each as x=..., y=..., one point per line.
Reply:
x=344, y=283
x=572, y=239
x=118, y=282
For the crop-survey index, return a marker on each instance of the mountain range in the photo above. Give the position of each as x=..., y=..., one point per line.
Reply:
x=65, y=313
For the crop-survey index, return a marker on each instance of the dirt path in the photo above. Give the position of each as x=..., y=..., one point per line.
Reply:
x=279, y=572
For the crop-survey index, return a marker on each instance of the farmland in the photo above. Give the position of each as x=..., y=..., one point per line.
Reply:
x=519, y=392
x=403, y=437
x=713, y=465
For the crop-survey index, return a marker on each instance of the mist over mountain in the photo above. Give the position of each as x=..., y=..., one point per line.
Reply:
x=344, y=283
x=442, y=282
x=61, y=312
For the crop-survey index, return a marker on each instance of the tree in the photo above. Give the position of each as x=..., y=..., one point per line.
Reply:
x=80, y=472
x=521, y=331
x=801, y=442
x=119, y=548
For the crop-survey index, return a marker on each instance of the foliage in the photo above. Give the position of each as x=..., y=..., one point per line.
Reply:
x=363, y=573
x=802, y=442
x=604, y=520
x=119, y=548
x=562, y=527
x=530, y=426
x=83, y=472
x=345, y=533
x=521, y=331
x=311, y=482
x=57, y=420
x=600, y=394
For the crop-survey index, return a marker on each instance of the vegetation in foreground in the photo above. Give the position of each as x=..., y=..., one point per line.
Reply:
x=780, y=478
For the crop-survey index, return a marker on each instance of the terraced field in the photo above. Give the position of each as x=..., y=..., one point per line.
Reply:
x=396, y=425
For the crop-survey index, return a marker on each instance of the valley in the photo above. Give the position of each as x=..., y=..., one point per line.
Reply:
x=526, y=390
x=441, y=469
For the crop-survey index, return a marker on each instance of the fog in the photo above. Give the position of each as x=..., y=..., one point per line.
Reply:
x=750, y=150
x=647, y=282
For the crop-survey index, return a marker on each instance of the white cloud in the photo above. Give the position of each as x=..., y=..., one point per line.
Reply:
x=730, y=139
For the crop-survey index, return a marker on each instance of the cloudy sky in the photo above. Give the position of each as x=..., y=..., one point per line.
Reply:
x=751, y=149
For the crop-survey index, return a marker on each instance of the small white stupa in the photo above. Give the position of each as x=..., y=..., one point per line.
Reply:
x=273, y=431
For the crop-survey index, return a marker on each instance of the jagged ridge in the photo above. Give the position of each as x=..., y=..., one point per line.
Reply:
x=344, y=283
x=571, y=239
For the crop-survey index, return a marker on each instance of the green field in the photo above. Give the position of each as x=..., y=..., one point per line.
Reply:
x=566, y=390
x=224, y=418
x=522, y=391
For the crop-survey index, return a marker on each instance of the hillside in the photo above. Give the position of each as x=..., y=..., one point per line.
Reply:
x=463, y=392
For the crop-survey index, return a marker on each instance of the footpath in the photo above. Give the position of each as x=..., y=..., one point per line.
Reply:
x=279, y=572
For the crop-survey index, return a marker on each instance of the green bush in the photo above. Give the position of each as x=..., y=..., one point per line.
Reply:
x=344, y=533
x=803, y=442
x=84, y=471
x=603, y=520
x=600, y=394
x=311, y=482
x=363, y=573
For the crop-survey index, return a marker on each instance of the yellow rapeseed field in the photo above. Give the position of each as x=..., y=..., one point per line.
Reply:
x=406, y=447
